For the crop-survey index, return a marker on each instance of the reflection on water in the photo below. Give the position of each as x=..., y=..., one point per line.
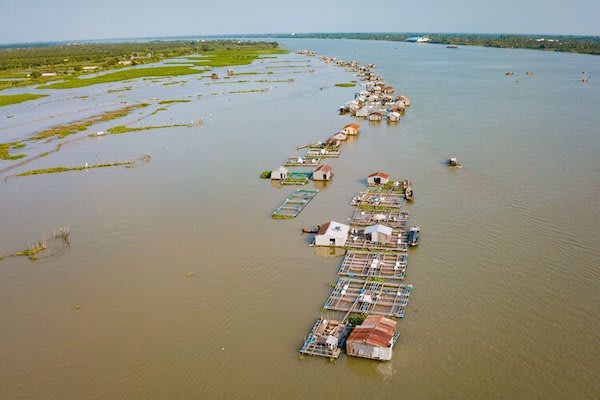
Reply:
x=506, y=277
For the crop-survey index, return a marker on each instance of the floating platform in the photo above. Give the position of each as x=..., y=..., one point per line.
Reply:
x=294, y=203
x=393, y=218
x=358, y=240
x=322, y=153
x=389, y=299
x=358, y=264
x=326, y=339
x=302, y=162
x=373, y=201
x=297, y=178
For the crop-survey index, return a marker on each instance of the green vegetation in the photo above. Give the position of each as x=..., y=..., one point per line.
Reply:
x=560, y=43
x=254, y=73
x=55, y=170
x=62, y=131
x=24, y=66
x=18, y=98
x=345, y=85
x=122, y=76
x=125, y=89
x=117, y=130
x=280, y=216
x=248, y=91
x=174, y=101
x=5, y=150
x=235, y=55
x=265, y=174
x=173, y=83
x=33, y=250
x=357, y=319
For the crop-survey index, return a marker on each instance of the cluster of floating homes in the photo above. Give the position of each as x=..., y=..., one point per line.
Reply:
x=377, y=101
x=369, y=291
x=318, y=170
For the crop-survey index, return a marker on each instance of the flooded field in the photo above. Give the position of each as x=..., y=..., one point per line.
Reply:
x=179, y=284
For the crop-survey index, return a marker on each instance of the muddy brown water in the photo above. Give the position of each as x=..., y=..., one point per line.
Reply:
x=187, y=288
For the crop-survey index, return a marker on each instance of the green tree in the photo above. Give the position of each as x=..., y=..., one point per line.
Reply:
x=35, y=75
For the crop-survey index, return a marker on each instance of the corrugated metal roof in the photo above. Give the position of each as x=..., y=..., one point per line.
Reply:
x=375, y=330
x=380, y=174
x=324, y=167
x=386, y=230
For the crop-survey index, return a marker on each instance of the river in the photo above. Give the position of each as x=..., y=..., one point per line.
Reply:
x=178, y=284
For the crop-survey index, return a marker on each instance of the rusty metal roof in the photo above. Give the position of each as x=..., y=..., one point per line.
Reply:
x=375, y=330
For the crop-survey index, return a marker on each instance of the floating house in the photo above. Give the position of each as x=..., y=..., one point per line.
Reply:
x=375, y=116
x=378, y=178
x=362, y=112
x=280, y=173
x=351, y=129
x=332, y=234
x=214, y=75
x=394, y=116
x=322, y=173
x=378, y=233
x=324, y=339
x=339, y=136
x=373, y=339
x=230, y=72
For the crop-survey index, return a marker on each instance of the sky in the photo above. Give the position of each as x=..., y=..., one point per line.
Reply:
x=24, y=21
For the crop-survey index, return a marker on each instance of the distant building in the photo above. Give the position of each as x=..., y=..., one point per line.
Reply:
x=90, y=67
x=378, y=233
x=378, y=178
x=375, y=116
x=374, y=338
x=332, y=234
x=125, y=62
x=279, y=173
x=322, y=173
x=351, y=129
x=362, y=112
x=48, y=74
x=418, y=39
x=394, y=116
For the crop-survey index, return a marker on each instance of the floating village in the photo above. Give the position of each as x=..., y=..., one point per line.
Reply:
x=370, y=295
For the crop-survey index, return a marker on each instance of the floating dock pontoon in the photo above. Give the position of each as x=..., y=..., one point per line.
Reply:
x=363, y=296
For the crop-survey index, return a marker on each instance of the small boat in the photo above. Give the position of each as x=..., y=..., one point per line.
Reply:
x=452, y=47
x=413, y=236
x=311, y=230
x=453, y=162
x=408, y=191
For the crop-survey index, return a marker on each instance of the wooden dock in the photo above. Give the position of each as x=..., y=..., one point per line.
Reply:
x=393, y=218
x=360, y=264
x=302, y=162
x=322, y=153
x=374, y=201
x=297, y=178
x=389, y=299
x=294, y=203
x=358, y=240
x=326, y=339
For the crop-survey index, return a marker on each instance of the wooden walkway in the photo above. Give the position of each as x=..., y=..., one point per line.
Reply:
x=358, y=264
x=297, y=178
x=293, y=162
x=358, y=240
x=393, y=218
x=294, y=203
x=373, y=200
x=322, y=153
x=389, y=299
x=326, y=339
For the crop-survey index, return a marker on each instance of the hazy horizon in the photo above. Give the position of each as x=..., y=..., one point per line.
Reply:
x=35, y=21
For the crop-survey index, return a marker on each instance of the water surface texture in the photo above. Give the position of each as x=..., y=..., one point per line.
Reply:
x=188, y=289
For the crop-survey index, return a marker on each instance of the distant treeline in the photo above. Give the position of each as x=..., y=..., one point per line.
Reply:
x=562, y=43
x=68, y=57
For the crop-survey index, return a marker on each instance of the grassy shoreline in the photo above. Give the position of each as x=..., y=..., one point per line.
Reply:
x=8, y=99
